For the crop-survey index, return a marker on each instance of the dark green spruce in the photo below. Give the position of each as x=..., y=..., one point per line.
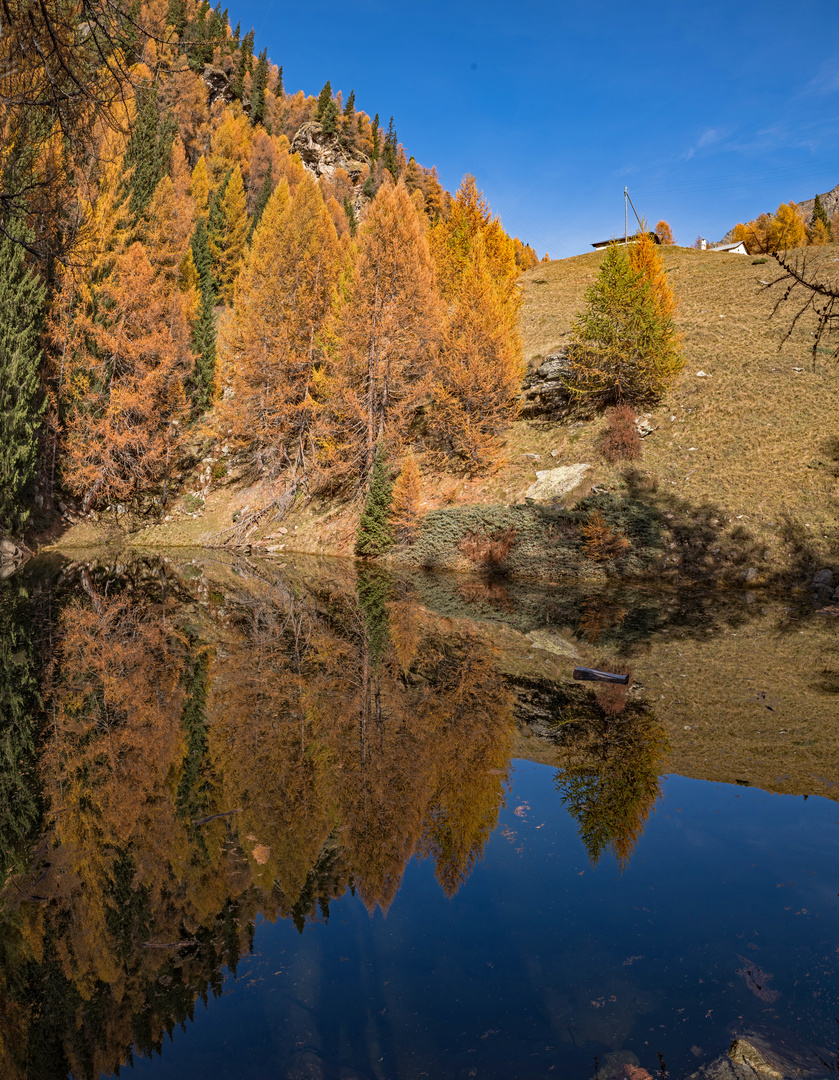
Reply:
x=22, y=296
x=374, y=535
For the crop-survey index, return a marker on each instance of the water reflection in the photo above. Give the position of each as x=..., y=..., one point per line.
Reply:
x=188, y=746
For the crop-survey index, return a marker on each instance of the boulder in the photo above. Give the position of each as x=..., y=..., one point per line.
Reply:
x=8, y=549
x=322, y=153
x=553, y=484
x=824, y=577
x=544, y=389
x=761, y=1056
x=218, y=84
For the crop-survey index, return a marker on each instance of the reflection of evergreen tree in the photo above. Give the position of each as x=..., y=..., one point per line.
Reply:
x=611, y=783
x=374, y=588
x=20, y=794
x=196, y=784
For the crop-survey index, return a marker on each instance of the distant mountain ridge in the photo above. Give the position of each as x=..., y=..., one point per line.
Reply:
x=830, y=202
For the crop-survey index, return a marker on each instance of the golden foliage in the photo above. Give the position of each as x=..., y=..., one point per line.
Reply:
x=383, y=340
x=664, y=232
x=268, y=340
x=600, y=541
x=405, y=500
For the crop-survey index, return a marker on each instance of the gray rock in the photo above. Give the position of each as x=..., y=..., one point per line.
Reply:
x=822, y=593
x=8, y=549
x=544, y=389
x=758, y=1057
x=824, y=577
x=643, y=425
x=554, y=643
x=750, y=574
x=835, y=596
x=533, y=457
x=322, y=153
x=552, y=484
x=218, y=84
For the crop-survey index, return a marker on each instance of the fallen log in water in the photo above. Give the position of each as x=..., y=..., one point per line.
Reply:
x=592, y=675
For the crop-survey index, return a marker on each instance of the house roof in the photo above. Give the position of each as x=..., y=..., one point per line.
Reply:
x=620, y=240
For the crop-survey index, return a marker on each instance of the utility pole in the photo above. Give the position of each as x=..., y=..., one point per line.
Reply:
x=625, y=220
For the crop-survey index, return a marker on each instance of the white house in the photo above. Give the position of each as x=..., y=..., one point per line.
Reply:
x=733, y=249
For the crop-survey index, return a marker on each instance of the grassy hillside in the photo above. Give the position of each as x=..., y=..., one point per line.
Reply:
x=757, y=441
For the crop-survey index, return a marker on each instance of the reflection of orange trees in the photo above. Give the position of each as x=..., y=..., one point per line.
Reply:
x=610, y=782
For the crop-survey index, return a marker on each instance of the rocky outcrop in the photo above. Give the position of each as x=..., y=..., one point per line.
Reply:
x=322, y=153
x=12, y=557
x=218, y=84
x=543, y=392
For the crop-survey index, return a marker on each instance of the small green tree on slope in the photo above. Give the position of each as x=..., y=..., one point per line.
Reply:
x=624, y=347
x=22, y=305
x=375, y=535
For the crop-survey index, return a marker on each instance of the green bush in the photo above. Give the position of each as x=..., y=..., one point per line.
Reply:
x=374, y=535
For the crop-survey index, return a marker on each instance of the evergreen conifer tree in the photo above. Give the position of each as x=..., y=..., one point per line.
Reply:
x=374, y=134
x=390, y=154
x=201, y=256
x=149, y=150
x=375, y=535
x=260, y=82
x=22, y=304
x=324, y=99
x=330, y=118
x=262, y=197
x=204, y=340
x=624, y=349
x=820, y=215
x=279, y=89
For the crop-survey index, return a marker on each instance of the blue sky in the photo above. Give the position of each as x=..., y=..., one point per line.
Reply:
x=710, y=112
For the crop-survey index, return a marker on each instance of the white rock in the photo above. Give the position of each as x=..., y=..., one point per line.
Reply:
x=554, y=643
x=552, y=484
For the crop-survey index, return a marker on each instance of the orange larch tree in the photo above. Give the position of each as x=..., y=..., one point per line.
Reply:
x=128, y=398
x=385, y=337
x=269, y=338
x=664, y=232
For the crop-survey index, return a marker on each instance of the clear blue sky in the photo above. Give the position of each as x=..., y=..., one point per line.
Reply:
x=710, y=112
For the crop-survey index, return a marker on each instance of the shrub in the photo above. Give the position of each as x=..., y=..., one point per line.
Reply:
x=600, y=541
x=218, y=470
x=620, y=441
x=489, y=551
x=193, y=503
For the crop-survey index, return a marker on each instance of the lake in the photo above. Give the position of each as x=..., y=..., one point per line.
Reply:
x=306, y=819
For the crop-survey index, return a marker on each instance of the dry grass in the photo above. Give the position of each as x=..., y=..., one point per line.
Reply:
x=756, y=437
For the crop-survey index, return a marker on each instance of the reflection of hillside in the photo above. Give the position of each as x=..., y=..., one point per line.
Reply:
x=246, y=750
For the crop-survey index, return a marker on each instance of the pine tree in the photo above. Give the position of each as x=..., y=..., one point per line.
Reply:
x=330, y=118
x=149, y=152
x=279, y=89
x=228, y=233
x=124, y=433
x=374, y=134
x=623, y=350
x=204, y=343
x=374, y=535
x=262, y=197
x=200, y=245
x=390, y=154
x=324, y=98
x=260, y=83
x=22, y=304
x=821, y=219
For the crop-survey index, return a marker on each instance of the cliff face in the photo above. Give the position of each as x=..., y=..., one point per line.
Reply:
x=323, y=154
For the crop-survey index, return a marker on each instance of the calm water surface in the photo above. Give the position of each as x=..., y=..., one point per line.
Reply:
x=280, y=822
